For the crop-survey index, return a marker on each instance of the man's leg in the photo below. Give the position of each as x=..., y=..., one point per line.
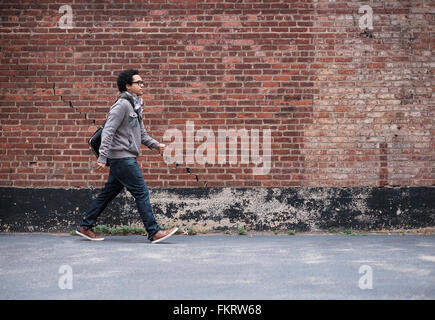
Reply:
x=112, y=188
x=128, y=173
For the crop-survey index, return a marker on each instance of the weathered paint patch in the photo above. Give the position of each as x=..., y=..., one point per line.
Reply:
x=218, y=209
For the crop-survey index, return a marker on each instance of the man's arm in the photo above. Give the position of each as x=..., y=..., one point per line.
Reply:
x=114, y=119
x=146, y=139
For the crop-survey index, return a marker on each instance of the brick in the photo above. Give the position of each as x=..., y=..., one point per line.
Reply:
x=344, y=109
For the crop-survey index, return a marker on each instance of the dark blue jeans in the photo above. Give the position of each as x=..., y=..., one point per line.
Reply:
x=124, y=172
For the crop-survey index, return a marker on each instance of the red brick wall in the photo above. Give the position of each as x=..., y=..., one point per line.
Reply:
x=345, y=106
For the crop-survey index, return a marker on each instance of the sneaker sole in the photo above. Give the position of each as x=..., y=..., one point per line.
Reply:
x=165, y=237
x=89, y=238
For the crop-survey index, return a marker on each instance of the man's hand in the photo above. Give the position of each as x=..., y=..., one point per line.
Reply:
x=161, y=148
x=100, y=166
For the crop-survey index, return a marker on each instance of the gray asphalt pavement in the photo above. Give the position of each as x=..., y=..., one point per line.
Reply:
x=305, y=266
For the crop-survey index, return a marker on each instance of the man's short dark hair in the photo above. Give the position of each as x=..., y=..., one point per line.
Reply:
x=125, y=77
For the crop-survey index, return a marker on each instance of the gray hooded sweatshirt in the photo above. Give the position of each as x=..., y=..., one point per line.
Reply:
x=124, y=131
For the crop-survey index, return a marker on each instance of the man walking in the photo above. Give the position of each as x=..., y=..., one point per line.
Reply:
x=121, y=138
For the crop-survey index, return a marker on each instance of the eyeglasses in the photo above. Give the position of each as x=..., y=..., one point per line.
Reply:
x=139, y=82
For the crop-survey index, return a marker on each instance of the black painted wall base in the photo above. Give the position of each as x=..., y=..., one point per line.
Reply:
x=218, y=209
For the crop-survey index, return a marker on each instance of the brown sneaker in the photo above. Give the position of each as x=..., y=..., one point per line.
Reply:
x=163, y=234
x=88, y=234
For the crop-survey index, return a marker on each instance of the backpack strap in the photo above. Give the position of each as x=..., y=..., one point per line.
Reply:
x=125, y=97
